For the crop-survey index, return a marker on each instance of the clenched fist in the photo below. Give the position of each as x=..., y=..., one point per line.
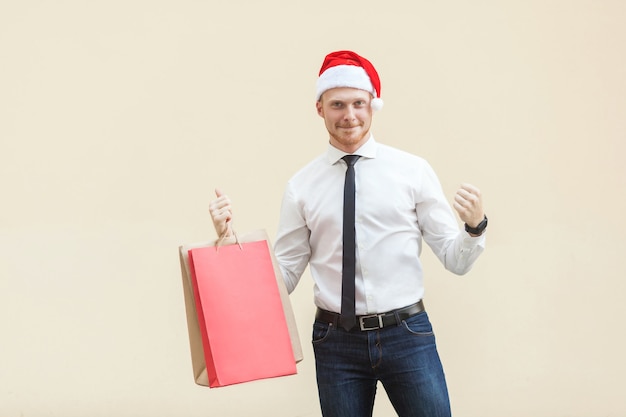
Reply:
x=469, y=204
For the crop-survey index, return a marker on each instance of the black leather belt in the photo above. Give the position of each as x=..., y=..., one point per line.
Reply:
x=374, y=321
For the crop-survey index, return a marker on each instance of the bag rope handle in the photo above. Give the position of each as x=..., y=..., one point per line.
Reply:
x=223, y=236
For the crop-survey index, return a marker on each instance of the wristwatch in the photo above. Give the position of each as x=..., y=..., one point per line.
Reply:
x=478, y=230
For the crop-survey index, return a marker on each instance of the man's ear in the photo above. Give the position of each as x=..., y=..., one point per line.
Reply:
x=319, y=108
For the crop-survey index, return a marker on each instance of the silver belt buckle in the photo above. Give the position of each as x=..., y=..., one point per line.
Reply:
x=363, y=318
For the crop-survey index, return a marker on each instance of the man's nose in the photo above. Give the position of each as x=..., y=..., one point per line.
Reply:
x=349, y=114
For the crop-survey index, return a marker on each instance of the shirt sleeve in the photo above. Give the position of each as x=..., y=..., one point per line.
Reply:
x=455, y=248
x=292, y=247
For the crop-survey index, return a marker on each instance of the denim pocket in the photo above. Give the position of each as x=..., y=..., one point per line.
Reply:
x=419, y=325
x=320, y=331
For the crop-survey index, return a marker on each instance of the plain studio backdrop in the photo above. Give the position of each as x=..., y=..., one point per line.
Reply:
x=119, y=118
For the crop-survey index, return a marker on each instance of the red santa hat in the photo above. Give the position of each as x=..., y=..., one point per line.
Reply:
x=348, y=69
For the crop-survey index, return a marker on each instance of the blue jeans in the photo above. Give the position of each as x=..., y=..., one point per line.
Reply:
x=403, y=358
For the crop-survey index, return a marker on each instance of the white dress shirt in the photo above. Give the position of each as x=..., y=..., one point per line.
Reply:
x=399, y=202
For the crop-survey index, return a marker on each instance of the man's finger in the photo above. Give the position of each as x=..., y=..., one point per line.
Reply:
x=470, y=189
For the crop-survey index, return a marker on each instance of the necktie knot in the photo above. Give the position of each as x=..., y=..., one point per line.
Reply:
x=351, y=159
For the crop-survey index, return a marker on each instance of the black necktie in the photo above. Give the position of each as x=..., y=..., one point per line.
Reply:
x=348, y=316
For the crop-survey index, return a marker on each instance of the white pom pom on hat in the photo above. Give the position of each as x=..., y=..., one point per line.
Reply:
x=377, y=103
x=348, y=69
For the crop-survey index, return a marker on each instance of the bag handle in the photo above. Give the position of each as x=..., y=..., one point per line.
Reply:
x=223, y=236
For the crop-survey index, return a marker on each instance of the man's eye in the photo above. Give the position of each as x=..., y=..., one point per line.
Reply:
x=337, y=105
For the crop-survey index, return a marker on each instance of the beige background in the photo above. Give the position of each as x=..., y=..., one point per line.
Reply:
x=118, y=118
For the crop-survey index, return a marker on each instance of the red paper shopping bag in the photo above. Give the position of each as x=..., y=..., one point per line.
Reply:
x=244, y=331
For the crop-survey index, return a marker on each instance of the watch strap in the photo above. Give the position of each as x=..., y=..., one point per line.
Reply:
x=478, y=230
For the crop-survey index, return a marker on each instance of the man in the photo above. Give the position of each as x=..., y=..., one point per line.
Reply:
x=359, y=222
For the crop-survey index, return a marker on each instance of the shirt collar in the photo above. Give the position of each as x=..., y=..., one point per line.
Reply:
x=367, y=150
